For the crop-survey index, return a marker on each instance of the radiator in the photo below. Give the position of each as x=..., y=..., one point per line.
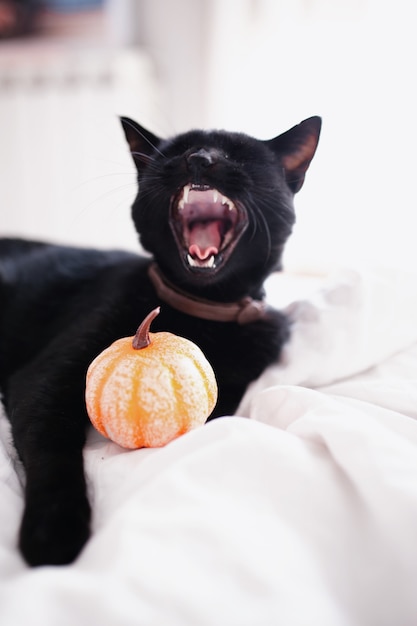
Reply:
x=65, y=171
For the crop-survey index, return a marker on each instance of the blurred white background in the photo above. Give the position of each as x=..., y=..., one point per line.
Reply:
x=257, y=66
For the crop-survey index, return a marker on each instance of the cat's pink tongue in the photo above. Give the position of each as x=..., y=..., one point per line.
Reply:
x=204, y=240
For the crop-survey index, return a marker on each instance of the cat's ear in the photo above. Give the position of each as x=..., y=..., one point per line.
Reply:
x=142, y=142
x=296, y=148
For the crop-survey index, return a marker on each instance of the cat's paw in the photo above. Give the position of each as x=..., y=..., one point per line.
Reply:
x=54, y=534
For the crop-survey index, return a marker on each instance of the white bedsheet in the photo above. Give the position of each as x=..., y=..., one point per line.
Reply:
x=303, y=514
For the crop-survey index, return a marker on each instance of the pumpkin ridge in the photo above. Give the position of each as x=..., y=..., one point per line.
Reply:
x=161, y=414
x=183, y=393
x=101, y=370
x=176, y=388
x=138, y=440
x=98, y=372
x=209, y=381
x=116, y=403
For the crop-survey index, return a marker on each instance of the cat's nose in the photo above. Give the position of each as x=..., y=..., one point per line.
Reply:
x=201, y=159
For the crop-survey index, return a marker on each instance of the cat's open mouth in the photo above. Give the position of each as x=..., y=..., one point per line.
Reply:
x=207, y=225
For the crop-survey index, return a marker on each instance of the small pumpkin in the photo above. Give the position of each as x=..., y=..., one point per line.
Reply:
x=146, y=390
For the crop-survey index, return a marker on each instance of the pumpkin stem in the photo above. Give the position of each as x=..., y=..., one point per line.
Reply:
x=141, y=338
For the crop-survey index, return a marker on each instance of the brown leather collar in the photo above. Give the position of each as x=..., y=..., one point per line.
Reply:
x=244, y=311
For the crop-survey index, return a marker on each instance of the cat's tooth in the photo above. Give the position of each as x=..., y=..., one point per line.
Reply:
x=215, y=195
x=228, y=203
x=210, y=263
x=186, y=191
x=181, y=204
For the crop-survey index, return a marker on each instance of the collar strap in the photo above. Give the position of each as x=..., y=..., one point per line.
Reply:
x=243, y=311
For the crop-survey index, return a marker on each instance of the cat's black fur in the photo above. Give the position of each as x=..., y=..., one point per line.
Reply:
x=60, y=306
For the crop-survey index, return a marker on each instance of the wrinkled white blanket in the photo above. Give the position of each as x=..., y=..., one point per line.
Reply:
x=304, y=514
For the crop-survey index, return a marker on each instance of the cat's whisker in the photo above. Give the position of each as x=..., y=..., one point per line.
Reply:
x=143, y=157
x=259, y=223
x=97, y=202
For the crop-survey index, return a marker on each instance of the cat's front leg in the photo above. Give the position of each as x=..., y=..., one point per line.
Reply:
x=56, y=519
x=46, y=410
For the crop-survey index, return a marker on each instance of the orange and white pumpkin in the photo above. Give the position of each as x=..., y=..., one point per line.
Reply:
x=146, y=390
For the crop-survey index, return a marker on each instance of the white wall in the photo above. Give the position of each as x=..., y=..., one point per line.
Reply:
x=353, y=62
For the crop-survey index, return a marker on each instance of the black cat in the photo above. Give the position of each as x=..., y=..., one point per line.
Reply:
x=214, y=209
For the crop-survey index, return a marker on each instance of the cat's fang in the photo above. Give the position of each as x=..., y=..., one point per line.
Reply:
x=185, y=193
x=228, y=203
x=191, y=260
